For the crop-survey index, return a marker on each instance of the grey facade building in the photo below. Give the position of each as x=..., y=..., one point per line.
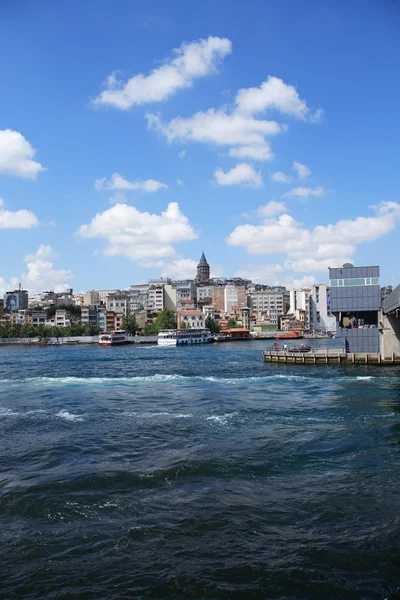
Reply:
x=355, y=300
x=15, y=301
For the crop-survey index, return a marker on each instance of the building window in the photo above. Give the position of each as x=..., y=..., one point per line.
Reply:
x=356, y=281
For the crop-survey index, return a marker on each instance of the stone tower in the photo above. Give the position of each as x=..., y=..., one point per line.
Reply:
x=203, y=270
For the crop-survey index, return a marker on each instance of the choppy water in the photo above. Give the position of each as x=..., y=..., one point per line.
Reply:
x=146, y=472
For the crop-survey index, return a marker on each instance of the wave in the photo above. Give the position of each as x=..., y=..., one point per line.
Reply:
x=164, y=378
x=64, y=414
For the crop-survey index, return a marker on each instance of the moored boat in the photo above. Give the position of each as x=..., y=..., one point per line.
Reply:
x=113, y=338
x=290, y=335
x=184, y=337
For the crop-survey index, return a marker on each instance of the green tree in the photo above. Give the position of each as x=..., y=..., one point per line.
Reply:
x=212, y=325
x=130, y=324
x=166, y=319
x=152, y=329
x=232, y=323
x=183, y=325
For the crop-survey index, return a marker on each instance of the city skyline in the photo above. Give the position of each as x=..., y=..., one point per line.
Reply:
x=254, y=137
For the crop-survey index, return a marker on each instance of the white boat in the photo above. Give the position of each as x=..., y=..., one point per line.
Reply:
x=184, y=337
x=113, y=338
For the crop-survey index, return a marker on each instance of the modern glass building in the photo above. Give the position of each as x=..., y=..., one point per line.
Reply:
x=355, y=302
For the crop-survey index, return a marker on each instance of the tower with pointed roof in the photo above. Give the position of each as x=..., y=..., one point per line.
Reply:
x=203, y=270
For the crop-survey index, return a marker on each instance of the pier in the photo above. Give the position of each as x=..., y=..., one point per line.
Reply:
x=329, y=357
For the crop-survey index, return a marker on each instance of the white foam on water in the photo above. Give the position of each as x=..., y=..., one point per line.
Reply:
x=183, y=416
x=165, y=378
x=7, y=412
x=221, y=419
x=64, y=414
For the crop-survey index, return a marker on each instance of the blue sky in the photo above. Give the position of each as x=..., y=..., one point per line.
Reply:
x=134, y=135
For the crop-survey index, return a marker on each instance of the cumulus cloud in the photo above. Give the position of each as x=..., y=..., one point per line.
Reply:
x=240, y=127
x=20, y=219
x=275, y=94
x=272, y=209
x=189, y=62
x=260, y=273
x=243, y=174
x=302, y=170
x=41, y=274
x=117, y=182
x=320, y=247
x=139, y=235
x=305, y=192
x=180, y=268
x=256, y=152
x=280, y=177
x=16, y=155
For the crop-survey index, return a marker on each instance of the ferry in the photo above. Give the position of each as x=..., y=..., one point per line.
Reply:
x=184, y=337
x=113, y=338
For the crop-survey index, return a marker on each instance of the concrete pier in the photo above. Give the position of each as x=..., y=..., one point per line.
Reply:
x=329, y=357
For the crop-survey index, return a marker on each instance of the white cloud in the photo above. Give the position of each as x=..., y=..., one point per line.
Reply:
x=20, y=219
x=191, y=61
x=117, y=182
x=139, y=235
x=317, y=248
x=280, y=177
x=182, y=153
x=275, y=94
x=239, y=126
x=272, y=209
x=180, y=268
x=305, y=192
x=242, y=174
x=179, y=182
x=302, y=170
x=216, y=127
x=260, y=273
x=40, y=273
x=16, y=155
x=260, y=152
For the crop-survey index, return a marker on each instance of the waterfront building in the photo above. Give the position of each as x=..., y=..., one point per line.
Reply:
x=187, y=304
x=91, y=298
x=185, y=290
x=138, y=293
x=61, y=318
x=203, y=270
x=209, y=311
x=103, y=295
x=234, y=295
x=193, y=319
x=89, y=315
x=268, y=304
x=101, y=319
x=355, y=302
x=300, y=301
x=15, y=300
x=204, y=293
x=321, y=318
x=39, y=318
x=118, y=303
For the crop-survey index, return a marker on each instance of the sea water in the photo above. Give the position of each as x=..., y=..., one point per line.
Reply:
x=202, y=472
